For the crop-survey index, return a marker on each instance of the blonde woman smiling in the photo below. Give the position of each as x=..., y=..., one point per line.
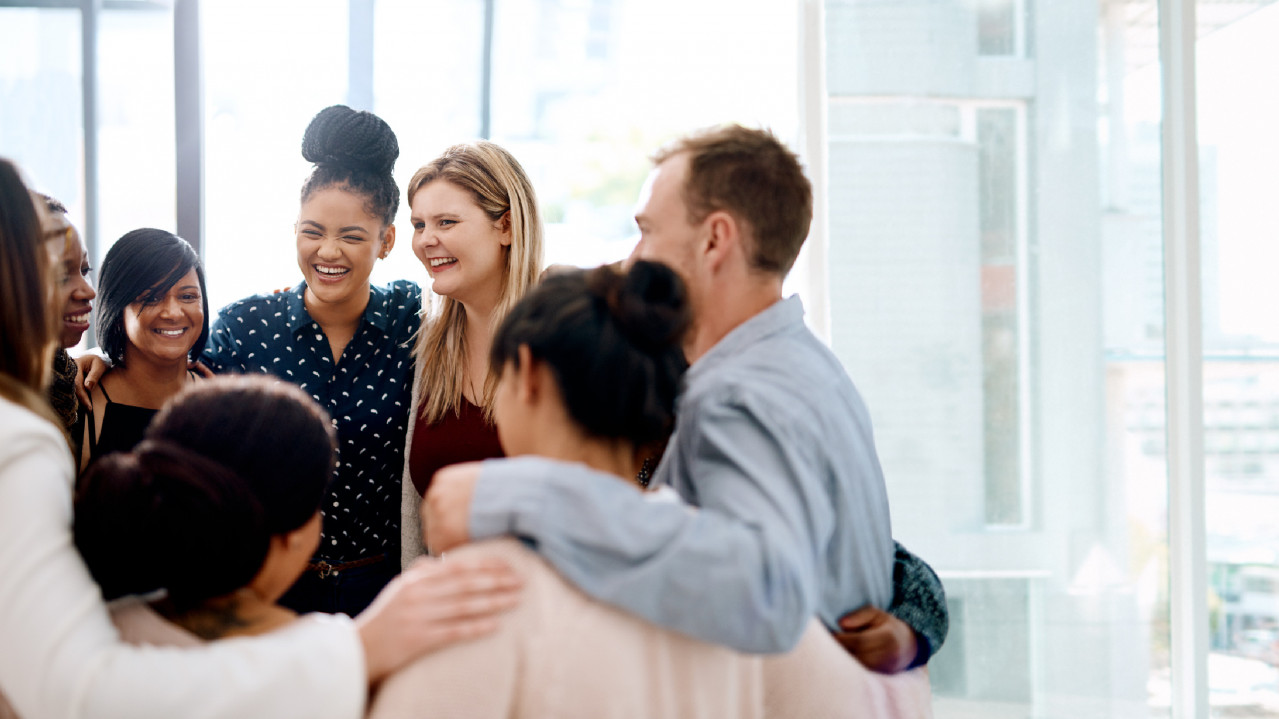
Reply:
x=477, y=231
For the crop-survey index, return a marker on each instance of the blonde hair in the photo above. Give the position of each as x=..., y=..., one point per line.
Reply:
x=499, y=186
x=28, y=324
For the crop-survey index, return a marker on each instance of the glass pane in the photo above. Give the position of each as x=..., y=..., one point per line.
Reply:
x=41, y=108
x=1238, y=174
x=135, y=123
x=268, y=69
x=997, y=296
x=585, y=90
x=427, y=78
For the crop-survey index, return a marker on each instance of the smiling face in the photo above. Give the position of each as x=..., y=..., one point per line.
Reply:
x=338, y=244
x=165, y=328
x=74, y=292
x=463, y=250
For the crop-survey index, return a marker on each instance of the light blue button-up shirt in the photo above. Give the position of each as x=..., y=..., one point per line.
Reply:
x=773, y=444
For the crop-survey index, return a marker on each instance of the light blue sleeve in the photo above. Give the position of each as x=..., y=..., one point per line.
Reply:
x=741, y=571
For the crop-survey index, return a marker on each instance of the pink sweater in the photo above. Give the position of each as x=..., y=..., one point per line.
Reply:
x=561, y=654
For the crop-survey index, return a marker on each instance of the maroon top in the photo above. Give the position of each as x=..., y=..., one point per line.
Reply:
x=455, y=438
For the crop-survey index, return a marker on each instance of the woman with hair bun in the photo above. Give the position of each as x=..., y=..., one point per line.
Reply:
x=222, y=522
x=61, y=656
x=345, y=342
x=590, y=364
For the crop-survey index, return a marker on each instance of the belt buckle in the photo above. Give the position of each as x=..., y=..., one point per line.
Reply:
x=325, y=569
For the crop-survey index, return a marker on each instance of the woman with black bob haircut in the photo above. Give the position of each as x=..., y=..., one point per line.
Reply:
x=152, y=320
x=223, y=521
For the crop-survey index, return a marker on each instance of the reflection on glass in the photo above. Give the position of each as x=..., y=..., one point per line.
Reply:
x=264, y=81
x=1239, y=171
x=41, y=111
x=584, y=92
x=135, y=124
x=992, y=212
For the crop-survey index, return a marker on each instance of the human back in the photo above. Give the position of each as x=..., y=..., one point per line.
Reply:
x=590, y=368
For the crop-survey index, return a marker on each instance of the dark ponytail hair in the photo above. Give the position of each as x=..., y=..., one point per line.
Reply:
x=614, y=341
x=355, y=150
x=226, y=465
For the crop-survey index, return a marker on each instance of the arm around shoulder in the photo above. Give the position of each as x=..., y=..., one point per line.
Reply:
x=63, y=658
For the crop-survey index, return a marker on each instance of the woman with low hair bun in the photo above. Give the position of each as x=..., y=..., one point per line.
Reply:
x=61, y=656
x=612, y=341
x=223, y=522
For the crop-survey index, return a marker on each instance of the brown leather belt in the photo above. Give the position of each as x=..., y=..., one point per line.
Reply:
x=324, y=569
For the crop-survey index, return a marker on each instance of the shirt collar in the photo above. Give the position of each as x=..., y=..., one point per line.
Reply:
x=375, y=312
x=779, y=316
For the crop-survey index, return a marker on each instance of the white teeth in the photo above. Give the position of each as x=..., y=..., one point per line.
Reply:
x=78, y=319
x=171, y=333
x=331, y=270
x=437, y=261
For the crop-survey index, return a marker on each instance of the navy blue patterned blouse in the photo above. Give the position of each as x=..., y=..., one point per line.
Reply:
x=367, y=393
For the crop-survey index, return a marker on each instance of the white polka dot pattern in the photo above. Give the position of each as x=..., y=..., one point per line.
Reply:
x=367, y=393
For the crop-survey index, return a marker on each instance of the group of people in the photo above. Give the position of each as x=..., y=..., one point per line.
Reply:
x=361, y=425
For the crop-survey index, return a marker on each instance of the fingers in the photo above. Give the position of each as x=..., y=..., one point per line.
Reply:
x=93, y=368
x=433, y=604
x=199, y=368
x=80, y=391
x=859, y=619
x=465, y=588
x=884, y=643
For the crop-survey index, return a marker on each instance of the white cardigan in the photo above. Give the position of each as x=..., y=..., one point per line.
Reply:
x=61, y=657
x=412, y=540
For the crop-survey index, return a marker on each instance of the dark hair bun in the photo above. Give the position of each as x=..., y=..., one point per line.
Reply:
x=648, y=303
x=352, y=139
x=614, y=341
x=163, y=517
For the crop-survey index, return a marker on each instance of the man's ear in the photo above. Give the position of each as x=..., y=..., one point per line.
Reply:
x=388, y=242
x=723, y=238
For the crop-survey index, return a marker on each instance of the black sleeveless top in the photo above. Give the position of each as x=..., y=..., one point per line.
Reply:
x=122, y=427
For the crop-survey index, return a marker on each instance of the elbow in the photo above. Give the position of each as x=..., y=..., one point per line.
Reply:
x=781, y=615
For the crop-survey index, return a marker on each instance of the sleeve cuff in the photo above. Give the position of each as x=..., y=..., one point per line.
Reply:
x=507, y=496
